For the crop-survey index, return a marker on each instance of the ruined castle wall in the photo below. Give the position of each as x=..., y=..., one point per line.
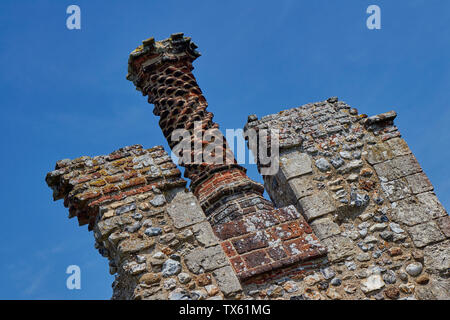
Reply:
x=151, y=229
x=358, y=185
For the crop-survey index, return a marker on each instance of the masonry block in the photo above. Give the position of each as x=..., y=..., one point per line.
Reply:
x=185, y=210
x=316, y=205
x=294, y=164
x=425, y=233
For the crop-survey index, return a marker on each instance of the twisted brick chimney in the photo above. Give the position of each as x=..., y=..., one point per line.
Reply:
x=163, y=71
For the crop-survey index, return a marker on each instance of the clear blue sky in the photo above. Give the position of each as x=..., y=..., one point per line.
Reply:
x=63, y=94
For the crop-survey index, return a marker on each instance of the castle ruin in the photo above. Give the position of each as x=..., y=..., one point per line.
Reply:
x=352, y=216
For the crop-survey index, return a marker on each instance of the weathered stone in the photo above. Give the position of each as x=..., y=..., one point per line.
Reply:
x=398, y=146
x=204, y=234
x=185, y=210
x=301, y=186
x=170, y=268
x=414, y=269
x=444, y=225
x=294, y=164
x=397, y=168
x=201, y=260
x=425, y=233
x=378, y=153
x=396, y=190
x=325, y=228
x=419, y=183
x=227, y=280
x=437, y=258
x=372, y=283
x=316, y=205
x=339, y=247
x=414, y=210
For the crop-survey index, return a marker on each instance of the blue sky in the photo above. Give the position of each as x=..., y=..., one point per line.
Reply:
x=63, y=94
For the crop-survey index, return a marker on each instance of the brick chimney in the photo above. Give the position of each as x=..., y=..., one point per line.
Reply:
x=234, y=204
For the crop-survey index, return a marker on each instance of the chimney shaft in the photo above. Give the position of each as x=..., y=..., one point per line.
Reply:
x=162, y=71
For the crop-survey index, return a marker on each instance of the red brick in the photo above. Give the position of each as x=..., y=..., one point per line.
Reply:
x=250, y=242
x=284, y=215
x=287, y=231
x=230, y=229
x=228, y=249
x=238, y=264
x=276, y=253
x=132, y=183
x=256, y=258
x=110, y=188
x=296, y=246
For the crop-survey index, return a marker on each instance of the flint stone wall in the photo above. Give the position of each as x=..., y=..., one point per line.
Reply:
x=361, y=189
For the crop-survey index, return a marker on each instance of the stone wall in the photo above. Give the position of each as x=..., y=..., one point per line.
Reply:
x=367, y=199
x=151, y=229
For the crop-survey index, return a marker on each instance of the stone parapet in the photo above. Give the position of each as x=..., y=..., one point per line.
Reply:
x=357, y=183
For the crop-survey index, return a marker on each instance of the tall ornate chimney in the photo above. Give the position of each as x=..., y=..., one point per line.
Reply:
x=162, y=71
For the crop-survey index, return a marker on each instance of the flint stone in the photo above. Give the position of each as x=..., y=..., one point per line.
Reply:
x=414, y=269
x=170, y=268
x=372, y=283
x=158, y=201
x=323, y=165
